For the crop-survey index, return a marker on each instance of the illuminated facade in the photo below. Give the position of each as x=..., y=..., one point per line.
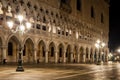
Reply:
x=63, y=31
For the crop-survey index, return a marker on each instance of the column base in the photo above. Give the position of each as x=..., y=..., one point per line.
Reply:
x=19, y=69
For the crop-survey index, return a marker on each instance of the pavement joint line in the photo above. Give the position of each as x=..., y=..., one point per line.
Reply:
x=82, y=73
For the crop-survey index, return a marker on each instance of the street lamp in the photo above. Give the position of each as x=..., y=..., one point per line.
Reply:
x=21, y=27
x=99, y=44
x=118, y=50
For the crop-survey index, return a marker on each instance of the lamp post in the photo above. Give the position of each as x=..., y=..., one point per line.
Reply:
x=99, y=45
x=22, y=27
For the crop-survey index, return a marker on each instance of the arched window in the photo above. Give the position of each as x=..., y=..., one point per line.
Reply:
x=35, y=7
x=29, y=4
x=44, y=19
x=44, y=28
x=21, y=2
x=38, y=26
x=10, y=49
x=17, y=9
x=92, y=12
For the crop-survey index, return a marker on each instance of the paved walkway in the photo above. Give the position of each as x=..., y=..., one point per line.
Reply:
x=45, y=71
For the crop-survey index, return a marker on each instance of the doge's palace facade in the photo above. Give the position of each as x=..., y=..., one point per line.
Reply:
x=63, y=31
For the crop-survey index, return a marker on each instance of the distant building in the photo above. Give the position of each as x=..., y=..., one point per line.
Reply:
x=62, y=30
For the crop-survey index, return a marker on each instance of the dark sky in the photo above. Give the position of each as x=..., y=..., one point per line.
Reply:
x=114, y=32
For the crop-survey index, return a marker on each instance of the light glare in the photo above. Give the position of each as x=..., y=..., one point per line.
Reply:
x=22, y=28
x=97, y=45
x=103, y=44
x=20, y=18
x=98, y=41
x=10, y=24
x=28, y=25
x=118, y=50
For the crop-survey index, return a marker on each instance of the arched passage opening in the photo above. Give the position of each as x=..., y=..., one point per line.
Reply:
x=102, y=55
x=75, y=54
x=41, y=51
x=28, y=52
x=81, y=54
x=95, y=55
x=91, y=55
x=51, y=53
x=13, y=49
x=87, y=55
x=105, y=55
x=61, y=52
x=68, y=53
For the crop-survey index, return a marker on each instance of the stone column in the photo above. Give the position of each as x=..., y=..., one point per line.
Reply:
x=71, y=55
x=106, y=57
x=101, y=55
x=84, y=56
x=4, y=53
x=35, y=55
x=97, y=56
x=64, y=57
x=46, y=56
x=56, y=56
x=93, y=57
x=17, y=55
x=78, y=57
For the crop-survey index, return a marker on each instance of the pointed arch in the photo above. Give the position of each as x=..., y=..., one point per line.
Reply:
x=28, y=38
x=95, y=55
x=61, y=49
x=51, y=53
x=87, y=54
x=28, y=52
x=91, y=54
x=68, y=53
x=60, y=52
x=13, y=48
x=14, y=38
x=41, y=51
x=75, y=52
x=81, y=53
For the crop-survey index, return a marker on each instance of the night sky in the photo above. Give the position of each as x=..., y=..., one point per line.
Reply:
x=114, y=32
